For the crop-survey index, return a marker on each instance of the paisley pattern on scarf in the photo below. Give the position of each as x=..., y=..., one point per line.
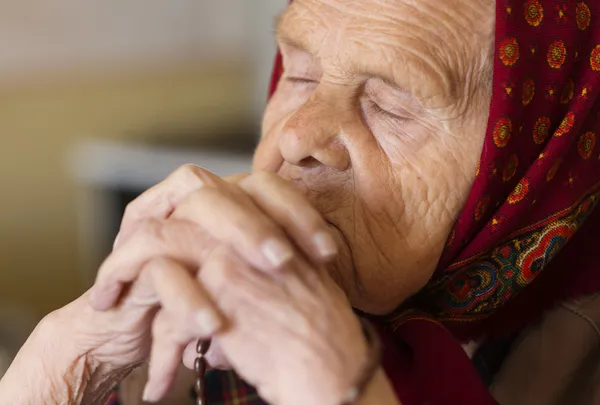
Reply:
x=483, y=283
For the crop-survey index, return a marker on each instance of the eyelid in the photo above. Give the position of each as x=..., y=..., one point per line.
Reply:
x=300, y=80
x=378, y=109
x=382, y=92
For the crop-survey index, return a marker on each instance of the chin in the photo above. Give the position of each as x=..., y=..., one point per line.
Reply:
x=378, y=304
x=380, y=296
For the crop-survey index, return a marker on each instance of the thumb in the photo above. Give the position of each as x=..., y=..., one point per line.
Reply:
x=236, y=178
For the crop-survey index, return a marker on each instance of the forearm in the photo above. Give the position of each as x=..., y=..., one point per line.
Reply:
x=49, y=370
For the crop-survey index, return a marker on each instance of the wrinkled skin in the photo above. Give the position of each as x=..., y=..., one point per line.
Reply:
x=379, y=121
x=380, y=128
x=380, y=118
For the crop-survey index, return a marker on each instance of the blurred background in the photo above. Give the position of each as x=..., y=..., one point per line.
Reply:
x=98, y=101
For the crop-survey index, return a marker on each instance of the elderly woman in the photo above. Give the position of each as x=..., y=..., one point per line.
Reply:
x=422, y=164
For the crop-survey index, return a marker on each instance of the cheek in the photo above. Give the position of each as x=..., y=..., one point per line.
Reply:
x=405, y=213
x=414, y=195
x=426, y=157
x=404, y=143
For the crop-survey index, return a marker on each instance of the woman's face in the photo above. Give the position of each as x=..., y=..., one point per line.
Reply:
x=380, y=117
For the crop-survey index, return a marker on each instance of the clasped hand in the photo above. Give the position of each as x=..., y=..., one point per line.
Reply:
x=241, y=261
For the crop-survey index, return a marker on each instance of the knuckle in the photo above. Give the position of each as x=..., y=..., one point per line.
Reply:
x=227, y=275
x=314, y=222
x=268, y=231
x=185, y=170
x=150, y=231
x=192, y=176
x=131, y=209
x=158, y=265
x=204, y=195
x=188, y=306
x=169, y=330
x=220, y=272
x=149, y=226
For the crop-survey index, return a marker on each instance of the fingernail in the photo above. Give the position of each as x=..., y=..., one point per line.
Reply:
x=325, y=244
x=277, y=252
x=207, y=321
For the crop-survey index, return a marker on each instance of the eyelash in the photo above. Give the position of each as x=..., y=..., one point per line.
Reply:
x=377, y=108
x=300, y=80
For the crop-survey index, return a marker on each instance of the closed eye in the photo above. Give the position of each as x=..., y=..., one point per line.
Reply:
x=387, y=114
x=300, y=80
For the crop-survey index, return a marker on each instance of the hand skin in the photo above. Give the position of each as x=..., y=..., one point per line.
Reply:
x=76, y=355
x=83, y=353
x=51, y=369
x=364, y=149
x=330, y=343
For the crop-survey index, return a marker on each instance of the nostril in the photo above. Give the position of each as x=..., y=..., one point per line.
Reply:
x=309, y=162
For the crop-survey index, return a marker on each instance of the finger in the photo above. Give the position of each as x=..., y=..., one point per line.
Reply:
x=236, y=178
x=215, y=358
x=165, y=358
x=187, y=314
x=159, y=201
x=231, y=280
x=183, y=298
x=292, y=210
x=151, y=239
x=234, y=284
x=230, y=216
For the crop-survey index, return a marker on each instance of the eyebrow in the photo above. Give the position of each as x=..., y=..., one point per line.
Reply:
x=282, y=37
x=389, y=81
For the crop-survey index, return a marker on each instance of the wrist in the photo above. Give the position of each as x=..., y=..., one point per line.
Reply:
x=51, y=368
x=91, y=376
x=326, y=375
x=46, y=370
x=333, y=391
x=357, y=379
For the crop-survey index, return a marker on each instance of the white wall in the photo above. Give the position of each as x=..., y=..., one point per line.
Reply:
x=59, y=34
x=37, y=36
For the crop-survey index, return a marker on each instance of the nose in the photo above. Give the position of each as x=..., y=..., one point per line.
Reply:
x=313, y=136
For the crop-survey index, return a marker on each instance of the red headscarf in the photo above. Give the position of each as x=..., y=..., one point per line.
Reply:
x=538, y=182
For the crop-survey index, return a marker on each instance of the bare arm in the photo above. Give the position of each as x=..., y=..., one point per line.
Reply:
x=49, y=369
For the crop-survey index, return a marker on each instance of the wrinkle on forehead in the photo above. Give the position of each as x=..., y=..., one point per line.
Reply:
x=429, y=47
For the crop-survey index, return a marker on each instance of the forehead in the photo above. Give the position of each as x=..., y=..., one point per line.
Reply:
x=400, y=40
